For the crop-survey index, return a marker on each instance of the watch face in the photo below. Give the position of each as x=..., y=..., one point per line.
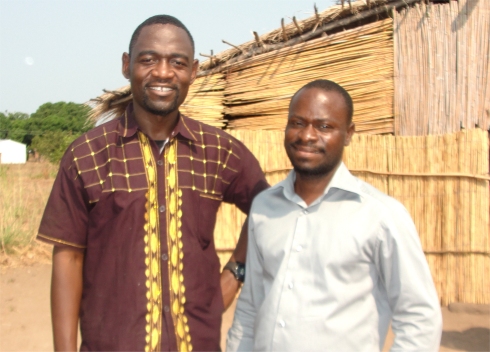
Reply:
x=238, y=270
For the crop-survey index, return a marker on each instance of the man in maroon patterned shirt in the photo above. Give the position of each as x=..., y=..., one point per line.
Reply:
x=133, y=208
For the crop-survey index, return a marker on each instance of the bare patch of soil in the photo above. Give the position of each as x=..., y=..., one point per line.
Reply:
x=25, y=322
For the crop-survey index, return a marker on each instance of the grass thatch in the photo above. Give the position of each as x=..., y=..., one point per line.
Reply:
x=259, y=89
x=335, y=18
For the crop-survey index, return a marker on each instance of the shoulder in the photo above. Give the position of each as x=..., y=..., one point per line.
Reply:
x=207, y=134
x=269, y=198
x=387, y=209
x=95, y=139
x=92, y=141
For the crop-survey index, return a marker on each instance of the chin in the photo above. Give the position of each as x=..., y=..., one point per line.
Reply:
x=160, y=110
x=313, y=171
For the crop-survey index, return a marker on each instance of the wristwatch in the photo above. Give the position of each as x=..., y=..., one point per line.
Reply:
x=238, y=270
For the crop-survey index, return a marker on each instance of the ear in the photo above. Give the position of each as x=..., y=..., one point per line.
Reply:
x=195, y=66
x=125, y=65
x=350, y=132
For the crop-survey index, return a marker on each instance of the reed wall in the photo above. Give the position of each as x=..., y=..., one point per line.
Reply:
x=441, y=180
x=442, y=58
x=258, y=89
x=204, y=100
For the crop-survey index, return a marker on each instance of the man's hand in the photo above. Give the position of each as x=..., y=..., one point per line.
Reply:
x=229, y=284
x=66, y=294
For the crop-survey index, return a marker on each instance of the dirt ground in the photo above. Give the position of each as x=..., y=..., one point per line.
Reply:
x=25, y=319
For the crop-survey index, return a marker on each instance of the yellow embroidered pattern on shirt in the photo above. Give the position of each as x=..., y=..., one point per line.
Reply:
x=175, y=249
x=152, y=252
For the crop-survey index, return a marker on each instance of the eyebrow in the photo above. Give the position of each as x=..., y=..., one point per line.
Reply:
x=153, y=52
x=304, y=118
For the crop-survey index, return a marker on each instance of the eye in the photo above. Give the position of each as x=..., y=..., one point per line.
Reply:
x=179, y=62
x=147, y=60
x=323, y=126
x=295, y=123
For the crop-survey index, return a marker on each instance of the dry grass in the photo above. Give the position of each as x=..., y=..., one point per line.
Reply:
x=24, y=190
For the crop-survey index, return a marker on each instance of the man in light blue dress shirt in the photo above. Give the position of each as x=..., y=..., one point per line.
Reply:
x=331, y=260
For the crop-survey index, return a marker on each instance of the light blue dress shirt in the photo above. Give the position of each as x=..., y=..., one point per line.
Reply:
x=332, y=275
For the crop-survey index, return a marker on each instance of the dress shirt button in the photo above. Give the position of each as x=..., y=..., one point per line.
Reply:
x=159, y=162
x=291, y=285
x=162, y=208
x=305, y=211
x=282, y=323
x=299, y=248
x=164, y=256
x=166, y=308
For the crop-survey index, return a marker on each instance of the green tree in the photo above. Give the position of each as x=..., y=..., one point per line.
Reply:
x=70, y=117
x=59, y=124
x=13, y=126
x=52, y=144
x=49, y=130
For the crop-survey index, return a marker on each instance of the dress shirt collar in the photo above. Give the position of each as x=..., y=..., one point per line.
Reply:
x=128, y=126
x=341, y=180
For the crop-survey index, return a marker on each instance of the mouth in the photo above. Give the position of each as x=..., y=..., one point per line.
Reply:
x=306, y=150
x=161, y=90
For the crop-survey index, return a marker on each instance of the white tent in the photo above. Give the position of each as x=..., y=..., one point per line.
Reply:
x=12, y=152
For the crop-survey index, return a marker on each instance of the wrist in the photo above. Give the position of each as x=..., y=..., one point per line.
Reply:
x=237, y=269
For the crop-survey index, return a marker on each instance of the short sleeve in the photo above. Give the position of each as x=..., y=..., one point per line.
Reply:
x=246, y=178
x=65, y=218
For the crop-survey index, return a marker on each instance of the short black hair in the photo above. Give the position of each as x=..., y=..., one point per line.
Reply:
x=159, y=19
x=329, y=86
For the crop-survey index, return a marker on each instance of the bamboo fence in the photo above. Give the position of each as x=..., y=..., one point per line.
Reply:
x=442, y=58
x=258, y=89
x=441, y=180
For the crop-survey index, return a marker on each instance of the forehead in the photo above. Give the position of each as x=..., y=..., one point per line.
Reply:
x=318, y=102
x=160, y=36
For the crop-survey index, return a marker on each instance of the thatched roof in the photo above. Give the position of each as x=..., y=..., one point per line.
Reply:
x=347, y=14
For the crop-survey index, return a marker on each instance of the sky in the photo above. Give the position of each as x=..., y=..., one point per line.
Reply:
x=70, y=50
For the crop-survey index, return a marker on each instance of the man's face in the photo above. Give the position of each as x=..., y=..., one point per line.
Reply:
x=161, y=68
x=317, y=131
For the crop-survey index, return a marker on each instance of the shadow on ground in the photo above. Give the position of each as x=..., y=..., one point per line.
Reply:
x=474, y=339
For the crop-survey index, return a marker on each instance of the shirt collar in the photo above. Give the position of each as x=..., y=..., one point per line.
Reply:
x=342, y=180
x=128, y=126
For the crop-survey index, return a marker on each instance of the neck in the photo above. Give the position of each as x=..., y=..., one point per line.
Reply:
x=309, y=188
x=157, y=127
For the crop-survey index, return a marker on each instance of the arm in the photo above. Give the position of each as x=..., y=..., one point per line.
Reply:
x=229, y=284
x=66, y=294
x=244, y=184
x=416, y=312
x=241, y=334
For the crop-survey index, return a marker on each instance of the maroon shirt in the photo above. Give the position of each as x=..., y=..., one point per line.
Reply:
x=145, y=222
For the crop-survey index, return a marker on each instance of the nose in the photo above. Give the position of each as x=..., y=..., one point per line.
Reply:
x=163, y=70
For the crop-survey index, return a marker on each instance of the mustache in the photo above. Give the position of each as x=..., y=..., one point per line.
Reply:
x=311, y=146
x=162, y=81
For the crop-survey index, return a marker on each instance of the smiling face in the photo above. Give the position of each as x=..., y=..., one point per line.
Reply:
x=317, y=131
x=161, y=68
